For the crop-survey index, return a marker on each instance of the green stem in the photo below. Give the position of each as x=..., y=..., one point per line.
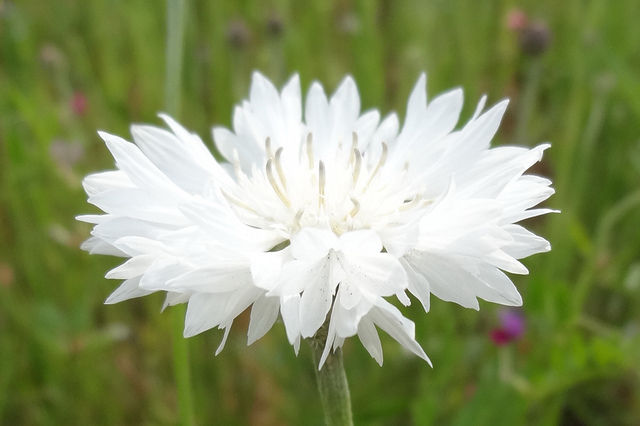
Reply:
x=602, y=244
x=181, y=371
x=173, y=79
x=332, y=383
x=175, y=43
x=528, y=101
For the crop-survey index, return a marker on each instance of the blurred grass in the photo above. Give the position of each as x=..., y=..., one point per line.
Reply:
x=68, y=359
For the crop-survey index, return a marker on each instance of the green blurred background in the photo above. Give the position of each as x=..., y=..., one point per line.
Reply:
x=572, y=71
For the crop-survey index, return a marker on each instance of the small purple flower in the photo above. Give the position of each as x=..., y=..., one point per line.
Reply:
x=512, y=327
x=79, y=103
x=517, y=19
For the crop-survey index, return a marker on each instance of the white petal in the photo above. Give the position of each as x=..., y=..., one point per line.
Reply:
x=346, y=320
x=316, y=298
x=206, y=311
x=345, y=103
x=388, y=129
x=525, y=243
x=171, y=156
x=131, y=268
x=388, y=318
x=266, y=267
x=363, y=241
x=417, y=284
x=232, y=146
x=263, y=94
x=138, y=204
x=129, y=289
x=312, y=243
x=369, y=338
x=317, y=118
x=417, y=105
x=446, y=281
x=173, y=298
x=105, y=181
x=386, y=132
x=365, y=127
x=316, y=106
x=349, y=295
x=442, y=114
x=93, y=218
x=290, y=311
x=292, y=100
x=461, y=281
x=380, y=274
x=217, y=218
x=505, y=262
x=478, y=133
x=160, y=272
x=479, y=107
x=331, y=335
x=137, y=166
x=203, y=312
x=212, y=279
x=135, y=246
x=95, y=245
x=112, y=228
x=227, y=329
x=263, y=315
x=507, y=292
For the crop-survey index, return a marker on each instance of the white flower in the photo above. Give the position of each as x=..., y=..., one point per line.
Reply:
x=320, y=218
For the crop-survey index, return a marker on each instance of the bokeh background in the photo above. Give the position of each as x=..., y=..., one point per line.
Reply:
x=570, y=356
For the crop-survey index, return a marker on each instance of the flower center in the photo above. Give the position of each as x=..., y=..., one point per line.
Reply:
x=338, y=189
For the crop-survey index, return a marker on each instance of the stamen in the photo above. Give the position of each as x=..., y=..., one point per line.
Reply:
x=408, y=205
x=383, y=159
x=310, y=150
x=296, y=220
x=235, y=161
x=354, y=146
x=237, y=202
x=274, y=184
x=356, y=167
x=267, y=147
x=425, y=203
x=356, y=207
x=321, y=183
x=279, y=168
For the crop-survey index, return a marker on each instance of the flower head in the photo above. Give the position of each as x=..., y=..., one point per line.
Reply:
x=79, y=103
x=320, y=216
x=534, y=36
x=512, y=327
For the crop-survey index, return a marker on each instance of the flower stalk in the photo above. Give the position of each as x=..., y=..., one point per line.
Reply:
x=173, y=77
x=332, y=383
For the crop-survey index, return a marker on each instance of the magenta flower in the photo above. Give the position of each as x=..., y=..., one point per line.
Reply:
x=79, y=103
x=512, y=327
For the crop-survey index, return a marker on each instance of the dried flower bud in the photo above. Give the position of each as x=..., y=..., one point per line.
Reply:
x=238, y=34
x=275, y=25
x=534, y=38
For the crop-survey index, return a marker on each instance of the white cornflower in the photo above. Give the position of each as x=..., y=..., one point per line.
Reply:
x=320, y=217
